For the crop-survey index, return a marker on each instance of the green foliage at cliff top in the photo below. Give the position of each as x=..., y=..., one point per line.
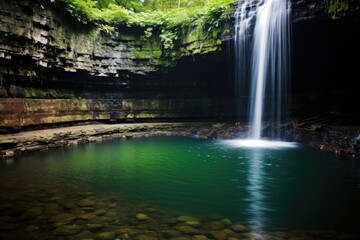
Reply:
x=168, y=13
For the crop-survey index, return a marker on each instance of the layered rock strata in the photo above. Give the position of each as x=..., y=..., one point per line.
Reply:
x=54, y=69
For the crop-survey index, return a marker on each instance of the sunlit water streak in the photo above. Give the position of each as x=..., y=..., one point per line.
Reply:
x=262, y=47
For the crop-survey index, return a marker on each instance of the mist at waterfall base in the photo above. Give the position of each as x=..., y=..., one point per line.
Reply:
x=262, y=52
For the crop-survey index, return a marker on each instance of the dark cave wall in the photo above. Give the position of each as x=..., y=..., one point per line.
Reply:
x=325, y=63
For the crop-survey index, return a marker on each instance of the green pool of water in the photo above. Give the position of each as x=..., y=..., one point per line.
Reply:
x=267, y=189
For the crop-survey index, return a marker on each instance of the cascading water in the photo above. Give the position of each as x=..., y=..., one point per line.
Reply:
x=262, y=44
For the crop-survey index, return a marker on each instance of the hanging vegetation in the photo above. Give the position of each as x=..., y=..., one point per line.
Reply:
x=173, y=22
x=339, y=8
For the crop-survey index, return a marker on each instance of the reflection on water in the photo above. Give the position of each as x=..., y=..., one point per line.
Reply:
x=257, y=199
x=256, y=176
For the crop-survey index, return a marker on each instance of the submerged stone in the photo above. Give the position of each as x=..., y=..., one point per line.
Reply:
x=85, y=235
x=215, y=225
x=34, y=211
x=94, y=226
x=106, y=235
x=31, y=228
x=193, y=223
x=187, y=218
x=62, y=217
x=87, y=216
x=226, y=221
x=86, y=203
x=66, y=230
x=239, y=228
x=142, y=217
x=69, y=205
x=187, y=230
x=199, y=237
x=146, y=237
x=253, y=236
x=100, y=212
x=219, y=235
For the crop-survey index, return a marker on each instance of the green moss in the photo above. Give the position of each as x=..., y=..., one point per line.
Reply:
x=139, y=54
x=175, y=27
x=157, y=53
x=339, y=8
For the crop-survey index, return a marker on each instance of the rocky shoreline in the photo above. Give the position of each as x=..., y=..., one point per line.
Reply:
x=39, y=140
x=342, y=140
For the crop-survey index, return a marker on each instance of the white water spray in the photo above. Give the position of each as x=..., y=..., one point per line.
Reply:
x=262, y=42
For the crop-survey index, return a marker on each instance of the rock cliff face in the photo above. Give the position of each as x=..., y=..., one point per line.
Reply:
x=54, y=69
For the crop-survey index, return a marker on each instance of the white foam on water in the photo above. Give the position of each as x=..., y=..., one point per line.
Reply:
x=255, y=143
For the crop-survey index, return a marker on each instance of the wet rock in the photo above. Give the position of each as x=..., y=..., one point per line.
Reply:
x=106, y=235
x=193, y=223
x=86, y=203
x=56, y=199
x=142, y=217
x=169, y=221
x=58, y=224
x=253, y=236
x=94, y=226
x=187, y=230
x=152, y=226
x=9, y=154
x=130, y=230
x=85, y=235
x=170, y=233
x=239, y=228
x=180, y=238
x=216, y=225
x=69, y=205
x=271, y=237
x=100, y=212
x=7, y=143
x=146, y=237
x=226, y=221
x=218, y=235
x=281, y=234
x=67, y=230
x=31, y=228
x=187, y=218
x=231, y=233
x=125, y=236
x=102, y=220
x=62, y=217
x=87, y=216
x=51, y=209
x=34, y=211
x=199, y=237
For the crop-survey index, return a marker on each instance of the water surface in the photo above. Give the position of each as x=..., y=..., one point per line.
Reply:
x=267, y=189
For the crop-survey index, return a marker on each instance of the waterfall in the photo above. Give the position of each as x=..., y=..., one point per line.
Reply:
x=262, y=49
